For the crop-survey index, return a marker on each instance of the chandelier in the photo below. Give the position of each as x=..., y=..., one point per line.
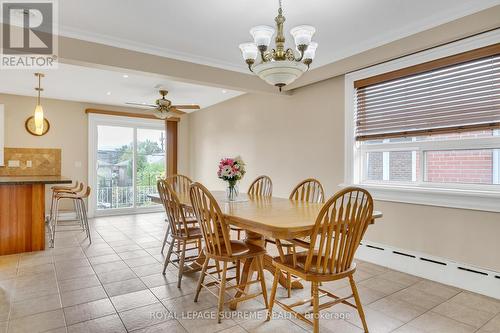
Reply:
x=279, y=66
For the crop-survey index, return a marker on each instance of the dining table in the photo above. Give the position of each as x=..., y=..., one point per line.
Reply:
x=262, y=217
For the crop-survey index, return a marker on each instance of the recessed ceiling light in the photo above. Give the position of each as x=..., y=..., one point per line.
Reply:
x=224, y=91
x=125, y=76
x=108, y=93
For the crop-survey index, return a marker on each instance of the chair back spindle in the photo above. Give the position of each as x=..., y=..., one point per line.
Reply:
x=214, y=227
x=180, y=184
x=309, y=190
x=173, y=209
x=262, y=186
x=339, y=228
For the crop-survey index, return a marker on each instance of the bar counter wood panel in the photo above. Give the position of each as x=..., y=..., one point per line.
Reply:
x=21, y=209
x=22, y=213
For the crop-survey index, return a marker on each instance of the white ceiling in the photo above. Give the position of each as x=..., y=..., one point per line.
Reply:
x=92, y=85
x=209, y=31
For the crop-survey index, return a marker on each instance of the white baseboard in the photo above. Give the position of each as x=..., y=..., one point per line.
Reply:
x=478, y=280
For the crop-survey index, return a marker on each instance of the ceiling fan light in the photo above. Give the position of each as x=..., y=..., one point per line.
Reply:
x=262, y=35
x=249, y=51
x=161, y=113
x=303, y=34
x=310, y=52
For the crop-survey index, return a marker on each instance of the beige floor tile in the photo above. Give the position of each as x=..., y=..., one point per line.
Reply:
x=493, y=326
x=124, y=287
x=206, y=322
x=464, y=314
x=435, y=288
x=88, y=311
x=35, y=305
x=171, y=291
x=477, y=302
x=159, y=279
x=34, y=269
x=148, y=269
x=133, y=254
x=118, y=275
x=72, y=273
x=276, y=325
x=104, y=259
x=144, y=316
x=133, y=300
x=417, y=297
x=39, y=322
x=377, y=321
x=170, y=326
x=108, y=324
x=367, y=295
x=432, y=322
x=109, y=267
x=398, y=309
x=134, y=262
x=408, y=329
x=186, y=303
x=385, y=286
x=400, y=277
x=78, y=283
x=81, y=296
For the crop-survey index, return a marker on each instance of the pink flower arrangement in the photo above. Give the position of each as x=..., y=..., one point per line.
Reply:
x=231, y=169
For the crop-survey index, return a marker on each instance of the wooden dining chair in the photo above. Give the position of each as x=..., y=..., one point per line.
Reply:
x=181, y=232
x=220, y=248
x=339, y=228
x=308, y=190
x=262, y=186
x=180, y=184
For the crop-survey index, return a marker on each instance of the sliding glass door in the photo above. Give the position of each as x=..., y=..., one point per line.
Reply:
x=129, y=156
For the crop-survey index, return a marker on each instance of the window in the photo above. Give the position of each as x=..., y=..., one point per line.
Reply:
x=126, y=157
x=431, y=128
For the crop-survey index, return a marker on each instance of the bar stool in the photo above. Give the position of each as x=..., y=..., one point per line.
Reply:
x=78, y=200
x=78, y=187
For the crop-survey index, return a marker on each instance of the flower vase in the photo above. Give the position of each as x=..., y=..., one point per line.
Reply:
x=232, y=191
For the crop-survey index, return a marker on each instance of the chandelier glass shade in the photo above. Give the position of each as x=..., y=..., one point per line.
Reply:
x=279, y=66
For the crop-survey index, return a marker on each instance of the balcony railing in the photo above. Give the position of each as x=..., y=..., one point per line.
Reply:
x=123, y=197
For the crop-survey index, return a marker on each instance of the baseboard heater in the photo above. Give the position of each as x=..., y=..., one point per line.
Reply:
x=437, y=269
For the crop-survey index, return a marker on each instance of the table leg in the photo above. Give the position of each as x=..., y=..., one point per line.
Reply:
x=249, y=267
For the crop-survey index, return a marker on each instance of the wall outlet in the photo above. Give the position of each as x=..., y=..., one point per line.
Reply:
x=29, y=164
x=13, y=164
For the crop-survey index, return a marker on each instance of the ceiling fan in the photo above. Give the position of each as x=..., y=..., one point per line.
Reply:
x=163, y=107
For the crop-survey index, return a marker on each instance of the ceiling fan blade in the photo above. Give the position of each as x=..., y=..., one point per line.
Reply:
x=174, y=110
x=187, y=107
x=141, y=104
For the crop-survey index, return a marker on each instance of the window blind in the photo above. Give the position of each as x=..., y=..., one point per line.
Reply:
x=457, y=97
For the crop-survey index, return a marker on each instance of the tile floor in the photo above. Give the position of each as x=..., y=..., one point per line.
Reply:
x=116, y=285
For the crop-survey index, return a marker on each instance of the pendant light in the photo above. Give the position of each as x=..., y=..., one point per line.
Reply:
x=38, y=108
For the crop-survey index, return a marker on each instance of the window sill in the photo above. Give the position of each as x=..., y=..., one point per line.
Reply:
x=442, y=197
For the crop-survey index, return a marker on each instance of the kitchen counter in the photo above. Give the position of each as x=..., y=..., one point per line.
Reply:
x=16, y=180
x=22, y=212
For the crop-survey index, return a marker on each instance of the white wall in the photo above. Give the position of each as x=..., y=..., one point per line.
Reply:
x=294, y=137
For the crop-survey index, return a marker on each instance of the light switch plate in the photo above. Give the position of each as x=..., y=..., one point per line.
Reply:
x=13, y=164
x=29, y=164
